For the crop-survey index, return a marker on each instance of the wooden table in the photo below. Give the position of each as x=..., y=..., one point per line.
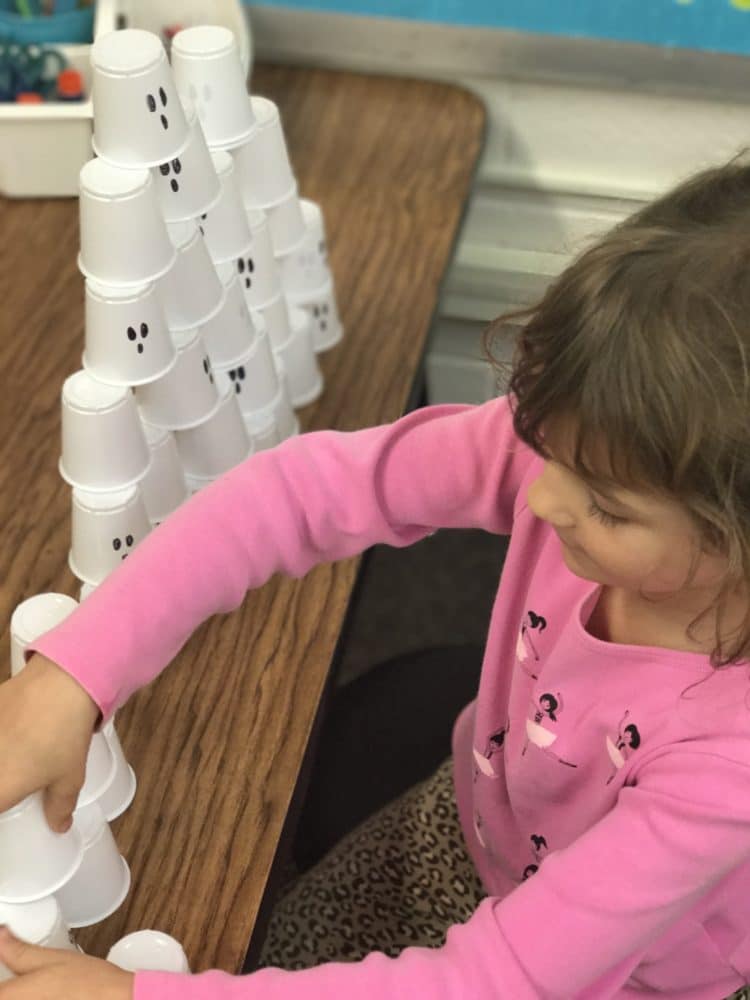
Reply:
x=218, y=741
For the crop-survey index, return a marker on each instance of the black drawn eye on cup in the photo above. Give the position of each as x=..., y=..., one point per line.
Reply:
x=152, y=106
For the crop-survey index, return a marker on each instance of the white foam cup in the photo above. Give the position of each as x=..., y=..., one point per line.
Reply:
x=138, y=118
x=275, y=316
x=87, y=589
x=149, y=951
x=127, y=340
x=187, y=185
x=231, y=333
x=263, y=431
x=120, y=794
x=217, y=445
x=287, y=420
x=102, y=882
x=327, y=330
x=187, y=394
x=34, y=861
x=105, y=529
x=304, y=269
x=103, y=445
x=100, y=771
x=285, y=221
x=191, y=291
x=259, y=270
x=207, y=67
x=265, y=173
x=252, y=377
x=164, y=487
x=298, y=354
x=32, y=618
x=315, y=226
x=224, y=225
x=124, y=239
x=196, y=483
x=39, y=923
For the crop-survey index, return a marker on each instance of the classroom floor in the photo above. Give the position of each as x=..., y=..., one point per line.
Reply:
x=437, y=592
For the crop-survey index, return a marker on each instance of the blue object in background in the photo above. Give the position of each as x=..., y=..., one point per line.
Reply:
x=68, y=25
x=719, y=25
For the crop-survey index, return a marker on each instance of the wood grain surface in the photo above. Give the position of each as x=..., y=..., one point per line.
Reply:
x=218, y=740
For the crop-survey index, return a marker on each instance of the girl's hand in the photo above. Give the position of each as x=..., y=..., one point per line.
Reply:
x=46, y=724
x=49, y=974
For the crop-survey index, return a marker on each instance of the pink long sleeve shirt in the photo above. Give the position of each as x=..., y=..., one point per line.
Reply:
x=604, y=795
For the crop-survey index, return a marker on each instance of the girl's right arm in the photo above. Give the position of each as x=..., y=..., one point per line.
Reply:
x=315, y=498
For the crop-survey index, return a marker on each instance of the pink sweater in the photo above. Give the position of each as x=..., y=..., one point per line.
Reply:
x=605, y=799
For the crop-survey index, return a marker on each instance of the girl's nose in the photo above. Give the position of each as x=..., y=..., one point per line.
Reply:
x=545, y=504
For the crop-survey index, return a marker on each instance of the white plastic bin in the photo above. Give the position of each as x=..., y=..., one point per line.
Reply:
x=44, y=146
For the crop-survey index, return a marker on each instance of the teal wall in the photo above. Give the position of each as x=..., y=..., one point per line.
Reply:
x=721, y=25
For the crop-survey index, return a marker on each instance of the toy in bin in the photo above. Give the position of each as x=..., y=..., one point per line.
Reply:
x=30, y=74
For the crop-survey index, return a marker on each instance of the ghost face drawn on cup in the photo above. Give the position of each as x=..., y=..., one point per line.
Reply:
x=106, y=528
x=171, y=171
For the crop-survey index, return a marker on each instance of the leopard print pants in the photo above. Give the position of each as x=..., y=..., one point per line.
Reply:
x=401, y=878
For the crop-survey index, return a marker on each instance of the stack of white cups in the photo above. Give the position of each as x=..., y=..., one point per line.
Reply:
x=297, y=230
x=207, y=68
x=51, y=883
x=168, y=340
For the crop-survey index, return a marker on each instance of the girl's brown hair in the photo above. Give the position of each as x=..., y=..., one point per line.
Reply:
x=644, y=341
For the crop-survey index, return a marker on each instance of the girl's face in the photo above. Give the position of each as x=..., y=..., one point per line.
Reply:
x=629, y=541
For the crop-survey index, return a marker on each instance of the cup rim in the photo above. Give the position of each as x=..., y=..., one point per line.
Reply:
x=121, y=400
x=133, y=293
x=150, y=934
x=49, y=891
x=126, y=802
x=127, y=879
x=197, y=324
x=232, y=141
x=198, y=212
x=245, y=358
x=159, y=54
x=102, y=489
x=127, y=284
x=128, y=494
x=140, y=164
x=303, y=299
x=125, y=383
x=202, y=55
x=268, y=206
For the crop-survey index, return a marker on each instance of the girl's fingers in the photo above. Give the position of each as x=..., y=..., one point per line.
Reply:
x=22, y=958
x=60, y=800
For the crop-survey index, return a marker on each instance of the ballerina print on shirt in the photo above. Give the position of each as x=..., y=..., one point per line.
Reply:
x=548, y=710
x=525, y=648
x=538, y=849
x=628, y=739
x=495, y=744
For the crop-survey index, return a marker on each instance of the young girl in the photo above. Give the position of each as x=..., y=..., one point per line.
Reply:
x=602, y=775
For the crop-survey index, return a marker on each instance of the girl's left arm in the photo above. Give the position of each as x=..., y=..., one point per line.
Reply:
x=578, y=927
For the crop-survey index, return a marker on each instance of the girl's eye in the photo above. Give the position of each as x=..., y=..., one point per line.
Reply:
x=596, y=511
